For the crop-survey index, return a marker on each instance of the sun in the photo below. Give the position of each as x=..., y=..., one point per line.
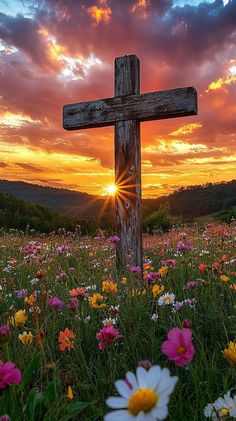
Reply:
x=111, y=189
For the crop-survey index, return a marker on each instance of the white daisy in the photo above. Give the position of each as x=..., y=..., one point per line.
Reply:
x=209, y=412
x=143, y=397
x=166, y=298
x=226, y=405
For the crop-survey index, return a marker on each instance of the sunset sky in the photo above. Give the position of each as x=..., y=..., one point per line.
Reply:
x=54, y=52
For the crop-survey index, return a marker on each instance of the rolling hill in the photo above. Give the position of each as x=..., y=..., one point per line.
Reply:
x=189, y=202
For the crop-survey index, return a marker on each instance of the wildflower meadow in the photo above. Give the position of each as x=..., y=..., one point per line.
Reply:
x=80, y=341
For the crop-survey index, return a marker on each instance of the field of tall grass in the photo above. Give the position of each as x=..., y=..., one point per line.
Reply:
x=79, y=341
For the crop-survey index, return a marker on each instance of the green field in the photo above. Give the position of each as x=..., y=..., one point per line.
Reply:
x=74, y=383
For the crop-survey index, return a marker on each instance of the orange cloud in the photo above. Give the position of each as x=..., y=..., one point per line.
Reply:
x=218, y=84
x=187, y=129
x=141, y=5
x=100, y=13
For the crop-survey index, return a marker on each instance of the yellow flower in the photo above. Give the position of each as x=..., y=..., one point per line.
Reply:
x=31, y=300
x=26, y=338
x=124, y=280
x=96, y=301
x=230, y=353
x=109, y=287
x=163, y=271
x=134, y=292
x=224, y=278
x=157, y=290
x=19, y=318
x=70, y=394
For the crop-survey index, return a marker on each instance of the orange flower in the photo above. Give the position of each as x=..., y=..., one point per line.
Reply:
x=202, y=267
x=66, y=340
x=233, y=286
x=31, y=300
x=75, y=292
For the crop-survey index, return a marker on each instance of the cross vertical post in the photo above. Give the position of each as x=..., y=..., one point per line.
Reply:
x=128, y=169
x=125, y=111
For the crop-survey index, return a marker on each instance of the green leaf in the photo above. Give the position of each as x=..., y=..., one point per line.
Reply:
x=51, y=393
x=33, y=366
x=33, y=405
x=76, y=407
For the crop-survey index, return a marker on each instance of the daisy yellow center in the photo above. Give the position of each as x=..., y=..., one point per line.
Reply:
x=143, y=399
x=181, y=350
x=166, y=299
x=224, y=411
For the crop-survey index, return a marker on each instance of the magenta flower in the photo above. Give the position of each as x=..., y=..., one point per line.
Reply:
x=114, y=239
x=9, y=374
x=179, y=347
x=56, y=303
x=4, y=417
x=153, y=277
x=73, y=303
x=186, y=323
x=106, y=336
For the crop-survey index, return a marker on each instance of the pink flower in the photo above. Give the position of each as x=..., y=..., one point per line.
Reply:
x=134, y=269
x=9, y=374
x=106, y=336
x=113, y=240
x=73, y=303
x=179, y=347
x=145, y=364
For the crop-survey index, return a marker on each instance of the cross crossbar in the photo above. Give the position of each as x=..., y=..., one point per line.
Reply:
x=125, y=111
x=171, y=103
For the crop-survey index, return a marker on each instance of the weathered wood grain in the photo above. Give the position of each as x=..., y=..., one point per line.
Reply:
x=143, y=107
x=128, y=169
x=126, y=110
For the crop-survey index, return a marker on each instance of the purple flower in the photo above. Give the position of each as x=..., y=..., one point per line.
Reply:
x=5, y=334
x=9, y=374
x=177, y=305
x=191, y=302
x=113, y=240
x=183, y=246
x=191, y=284
x=152, y=277
x=134, y=269
x=55, y=302
x=21, y=293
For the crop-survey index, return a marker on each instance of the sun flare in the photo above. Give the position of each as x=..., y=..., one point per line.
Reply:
x=111, y=189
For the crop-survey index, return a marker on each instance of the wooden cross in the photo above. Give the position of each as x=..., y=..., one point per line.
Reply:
x=126, y=110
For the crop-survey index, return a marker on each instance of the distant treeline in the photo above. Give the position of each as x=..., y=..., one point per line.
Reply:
x=65, y=208
x=21, y=214
x=192, y=201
